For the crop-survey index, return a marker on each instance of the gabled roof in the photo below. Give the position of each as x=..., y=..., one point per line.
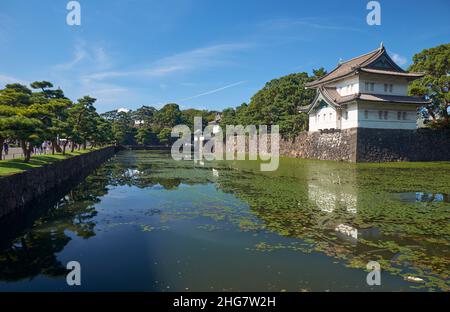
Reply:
x=376, y=62
x=326, y=96
x=332, y=97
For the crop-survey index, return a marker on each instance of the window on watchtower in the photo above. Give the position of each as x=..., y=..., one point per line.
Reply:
x=366, y=114
x=372, y=86
x=405, y=115
x=366, y=86
x=380, y=115
x=399, y=115
x=385, y=115
x=385, y=87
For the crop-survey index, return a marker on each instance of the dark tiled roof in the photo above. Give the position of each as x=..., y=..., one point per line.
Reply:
x=393, y=99
x=332, y=95
x=333, y=98
x=390, y=72
x=362, y=63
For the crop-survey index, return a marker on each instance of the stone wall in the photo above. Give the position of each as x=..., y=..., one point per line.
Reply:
x=370, y=145
x=19, y=190
x=382, y=145
x=333, y=145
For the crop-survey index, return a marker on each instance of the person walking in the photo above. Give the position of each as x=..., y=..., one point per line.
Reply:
x=6, y=148
x=44, y=147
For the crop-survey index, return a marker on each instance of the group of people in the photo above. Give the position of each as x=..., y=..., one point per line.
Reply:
x=44, y=148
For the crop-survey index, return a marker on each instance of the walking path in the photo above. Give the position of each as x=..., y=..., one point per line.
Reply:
x=15, y=152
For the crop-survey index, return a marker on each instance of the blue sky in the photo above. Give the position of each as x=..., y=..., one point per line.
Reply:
x=201, y=54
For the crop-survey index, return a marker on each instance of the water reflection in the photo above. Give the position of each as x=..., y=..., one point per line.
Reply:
x=33, y=251
x=343, y=211
x=422, y=197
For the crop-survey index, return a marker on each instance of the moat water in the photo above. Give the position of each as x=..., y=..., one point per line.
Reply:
x=144, y=222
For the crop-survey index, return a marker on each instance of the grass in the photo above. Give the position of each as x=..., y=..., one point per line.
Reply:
x=12, y=166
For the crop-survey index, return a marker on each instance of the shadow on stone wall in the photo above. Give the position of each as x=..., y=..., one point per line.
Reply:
x=20, y=190
x=370, y=145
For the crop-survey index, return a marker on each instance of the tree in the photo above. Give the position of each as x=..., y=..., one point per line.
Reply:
x=47, y=115
x=319, y=73
x=435, y=62
x=164, y=136
x=144, y=114
x=83, y=116
x=122, y=128
x=278, y=102
x=145, y=136
x=168, y=116
x=21, y=118
x=103, y=133
x=188, y=115
x=228, y=117
x=43, y=85
x=51, y=108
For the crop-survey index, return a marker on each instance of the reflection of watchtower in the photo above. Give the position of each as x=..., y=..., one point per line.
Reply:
x=198, y=144
x=215, y=127
x=334, y=192
x=330, y=188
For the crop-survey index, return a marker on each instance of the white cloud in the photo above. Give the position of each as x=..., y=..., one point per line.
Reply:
x=212, y=91
x=72, y=75
x=310, y=22
x=86, y=56
x=109, y=91
x=6, y=79
x=400, y=60
x=214, y=55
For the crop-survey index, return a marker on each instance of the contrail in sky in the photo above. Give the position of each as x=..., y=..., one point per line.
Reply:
x=213, y=91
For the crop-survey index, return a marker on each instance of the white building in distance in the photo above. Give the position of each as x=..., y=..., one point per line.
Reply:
x=369, y=91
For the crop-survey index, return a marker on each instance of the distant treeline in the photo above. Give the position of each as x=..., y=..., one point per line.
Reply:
x=41, y=113
x=276, y=103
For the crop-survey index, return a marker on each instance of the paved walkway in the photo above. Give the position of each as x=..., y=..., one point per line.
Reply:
x=13, y=153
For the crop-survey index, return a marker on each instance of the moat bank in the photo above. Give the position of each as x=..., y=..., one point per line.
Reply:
x=21, y=189
x=370, y=145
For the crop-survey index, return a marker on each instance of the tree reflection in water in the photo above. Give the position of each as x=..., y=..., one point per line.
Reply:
x=40, y=238
x=30, y=240
x=346, y=211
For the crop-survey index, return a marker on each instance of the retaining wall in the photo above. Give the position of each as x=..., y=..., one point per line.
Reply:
x=21, y=189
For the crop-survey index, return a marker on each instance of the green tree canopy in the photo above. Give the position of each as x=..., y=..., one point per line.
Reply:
x=435, y=62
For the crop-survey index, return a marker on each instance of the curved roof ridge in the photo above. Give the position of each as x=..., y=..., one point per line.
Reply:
x=363, y=61
x=348, y=67
x=365, y=54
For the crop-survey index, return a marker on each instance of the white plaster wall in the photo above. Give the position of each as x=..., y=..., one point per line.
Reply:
x=392, y=122
x=352, y=120
x=347, y=86
x=312, y=123
x=400, y=85
x=327, y=122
